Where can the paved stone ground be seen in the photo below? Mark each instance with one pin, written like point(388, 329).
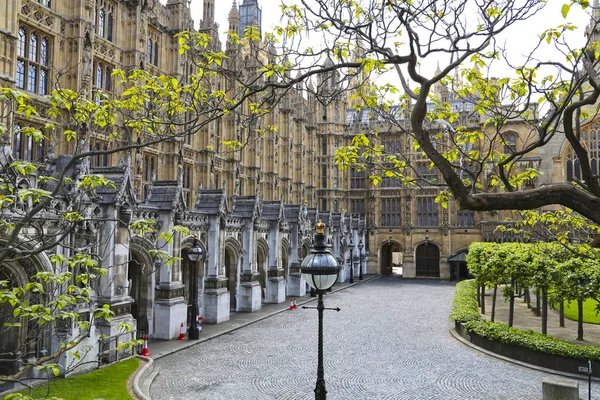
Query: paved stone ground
point(390, 341)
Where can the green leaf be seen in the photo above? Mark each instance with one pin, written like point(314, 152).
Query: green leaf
point(565, 10)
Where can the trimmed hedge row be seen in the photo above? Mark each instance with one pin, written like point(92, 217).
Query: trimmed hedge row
point(464, 307)
point(464, 310)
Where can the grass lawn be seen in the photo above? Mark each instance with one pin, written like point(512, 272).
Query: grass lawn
point(589, 311)
point(108, 383)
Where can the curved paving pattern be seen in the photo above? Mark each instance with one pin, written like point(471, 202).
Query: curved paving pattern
point(390, 341)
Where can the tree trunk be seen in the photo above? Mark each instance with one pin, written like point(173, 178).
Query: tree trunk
point(511, 304)
point(527, 298)
point(483, 299)
point(561, 314)
point(478, 295)
point(494, 303)
point(580, 319)
point(537, 302)
point(544, 311)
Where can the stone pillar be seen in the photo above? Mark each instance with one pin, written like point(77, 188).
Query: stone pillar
point(296, 284)
point(250, 297)
point(215, 307)
point(275, 292)
point(170, 308)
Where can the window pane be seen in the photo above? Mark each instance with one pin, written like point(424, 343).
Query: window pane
point(33, 47)
point(22, 43)
point(44, 53)
point(20, 78)
point(17, 142)
point(108, 85)
point(31, 76)
point(43, 86)
point(99, 79)
point(149, 51)
point(109, 34)
point(101, 20)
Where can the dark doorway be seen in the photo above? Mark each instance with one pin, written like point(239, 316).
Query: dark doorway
point(428, 261)
point(391, 256)
point(231, 274)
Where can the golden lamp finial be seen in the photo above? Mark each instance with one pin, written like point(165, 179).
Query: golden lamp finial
point(320, 227)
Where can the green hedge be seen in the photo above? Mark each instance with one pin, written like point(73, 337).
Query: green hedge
point(464, 309)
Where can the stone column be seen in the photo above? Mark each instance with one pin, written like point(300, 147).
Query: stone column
point(275, 292)
point(170, 307)
point(250, 293)
point(215, 307)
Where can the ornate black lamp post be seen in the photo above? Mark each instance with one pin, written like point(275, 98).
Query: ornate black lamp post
point(320, 270)
point(195, 254)
point(351, 247)
point(360, 259)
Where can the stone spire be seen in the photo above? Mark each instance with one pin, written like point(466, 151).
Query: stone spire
point(234, 18)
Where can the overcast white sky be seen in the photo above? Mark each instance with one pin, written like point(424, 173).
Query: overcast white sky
point(521, 38)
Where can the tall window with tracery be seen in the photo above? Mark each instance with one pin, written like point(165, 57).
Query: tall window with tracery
point(509, 140)
point(33, 61)
point(390, 212)
point(187, 185)
point(465, 218)
point(590, 140)
point(24, 146)
point(105, 12)
point(357, 179)
point(102, 81)
point(427, 212)
point(100, 160)
point(357, 206)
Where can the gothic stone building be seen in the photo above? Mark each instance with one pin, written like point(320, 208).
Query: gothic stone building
point(253, 211)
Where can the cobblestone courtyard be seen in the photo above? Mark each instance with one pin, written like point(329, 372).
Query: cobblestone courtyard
point(390, 341)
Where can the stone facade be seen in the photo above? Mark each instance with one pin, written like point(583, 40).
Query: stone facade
point(254, 211)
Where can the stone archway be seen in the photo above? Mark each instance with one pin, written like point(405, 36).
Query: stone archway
point(428, 261)
point(140, 273)
point(30, 339)
point(262, 258)
point(390, 258)
point(231, 271)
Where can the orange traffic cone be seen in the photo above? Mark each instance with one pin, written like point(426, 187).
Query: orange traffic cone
point(295, 304)
point(291, 305)
point(145, 352)
point(181, 333)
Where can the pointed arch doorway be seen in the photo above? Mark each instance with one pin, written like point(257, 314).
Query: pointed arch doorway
point(428, 261)
point(391, 258)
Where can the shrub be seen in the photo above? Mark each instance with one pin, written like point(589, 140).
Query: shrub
point(464, 307)
point(464, 310)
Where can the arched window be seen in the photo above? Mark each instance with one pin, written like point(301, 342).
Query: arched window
point(33, 47)
point(146, 171)
point(33, 61)
point(590, 140)
point(156, 53)
point(17, 141)
point(107, 84)
point(96, 159)
point(109, 33)
point(101, 22)
point(22, 43)
point(149, 51)
point(510, 142)
point(152, 173)
point(105, 157)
